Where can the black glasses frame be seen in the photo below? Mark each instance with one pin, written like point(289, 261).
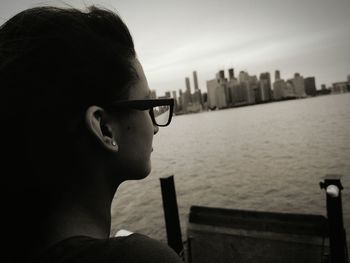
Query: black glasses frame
point(145, 104)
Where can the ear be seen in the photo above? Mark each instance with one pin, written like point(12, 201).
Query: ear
point(95, 118)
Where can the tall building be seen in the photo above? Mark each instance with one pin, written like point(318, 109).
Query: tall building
point(324, 90)
point(264, 93)
point(242, 93)
point(187, 95)
point(196, 105)
point(220, 75)
point(175, 101)
point(153, 94)
point(221, 96)
point(195, 80)
point(245, 91)
point(211, 91)
point(243, 76)
point(205, 97)
point(339, 87)
point(286, 89)
point(279, 89)
point(299, 86)
point(233, 87)
point(167, 94)
point(231, 73)
point(217, 91)
point(310, 86)
point(188, 85)
point(183, 102)
point(174, 95)
point(253, 86)
point(289, 91)
point(222, 93)
point(277, 75)
point(197, 97)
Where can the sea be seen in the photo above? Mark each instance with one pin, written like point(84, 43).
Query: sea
point(265, 157)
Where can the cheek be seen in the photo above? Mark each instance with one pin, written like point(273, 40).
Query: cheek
point(141, 130)
point(146, 121)
point(148, 127)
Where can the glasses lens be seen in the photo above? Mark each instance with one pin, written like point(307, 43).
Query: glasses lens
point(161, 114)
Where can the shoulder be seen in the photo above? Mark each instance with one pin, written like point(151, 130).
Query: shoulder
point(146, 249)
point(135, 248)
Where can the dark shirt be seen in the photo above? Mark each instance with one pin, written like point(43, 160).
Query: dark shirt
point(135, 248)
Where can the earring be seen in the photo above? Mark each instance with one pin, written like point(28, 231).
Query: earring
point(110, 142)
point(115, 145)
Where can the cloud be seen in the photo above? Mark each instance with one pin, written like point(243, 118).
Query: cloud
point(259, 52)
point(245, 50)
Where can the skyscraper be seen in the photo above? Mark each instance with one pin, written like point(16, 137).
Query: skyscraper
point(188, 92)
point(289, 91)
point(217, 91)
point(231, 73)
point(265, 87)
point(188, 85)
point(310, 86)
point(243, 76)
point(195, 80)
point(299, 86)
point(220, 75)
point(279, 89)
point(153, 94)
point(277, 75)
point(233, 88)
point(339, 87)
point(175, 101)
point(245, 92)
point(211, 87)
point(167, 94)
point(184, 100)
point(174, 95)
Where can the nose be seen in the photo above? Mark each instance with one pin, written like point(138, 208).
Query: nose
point(156, 129)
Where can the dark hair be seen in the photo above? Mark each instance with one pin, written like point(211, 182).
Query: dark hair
point(54, 63)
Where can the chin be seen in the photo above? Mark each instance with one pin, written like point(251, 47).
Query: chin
point(142, 173)
point(139, 176)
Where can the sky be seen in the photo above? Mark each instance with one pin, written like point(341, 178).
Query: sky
point(175, 37)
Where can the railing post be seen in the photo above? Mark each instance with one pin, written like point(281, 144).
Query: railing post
point(171, 215)
point(337, 235)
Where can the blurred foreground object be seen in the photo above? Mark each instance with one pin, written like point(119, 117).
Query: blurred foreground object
point(337, 234)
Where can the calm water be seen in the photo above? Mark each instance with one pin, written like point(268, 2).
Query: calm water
point(267, 157)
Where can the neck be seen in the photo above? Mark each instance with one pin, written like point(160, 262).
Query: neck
point(81, 209)
point(87, 215)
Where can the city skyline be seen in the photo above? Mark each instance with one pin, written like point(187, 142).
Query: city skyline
point(281, 76)
point(243, 89)
point(174, 37)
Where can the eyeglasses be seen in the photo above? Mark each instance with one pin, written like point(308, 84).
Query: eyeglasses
point(161, 110)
